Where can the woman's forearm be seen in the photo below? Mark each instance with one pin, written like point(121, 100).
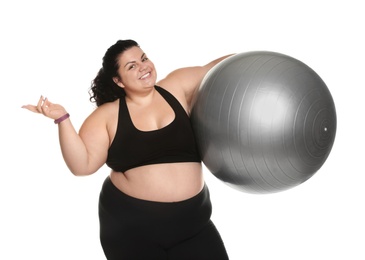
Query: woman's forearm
point(73, 149)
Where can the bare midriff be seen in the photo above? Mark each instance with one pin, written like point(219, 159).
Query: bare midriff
point(168, 182)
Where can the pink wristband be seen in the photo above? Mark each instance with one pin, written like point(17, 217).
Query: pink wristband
point(64, 117)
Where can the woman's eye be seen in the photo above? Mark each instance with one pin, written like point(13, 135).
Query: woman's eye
point(145, 59)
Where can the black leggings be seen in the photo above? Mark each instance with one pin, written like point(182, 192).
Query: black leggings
point(136, 229)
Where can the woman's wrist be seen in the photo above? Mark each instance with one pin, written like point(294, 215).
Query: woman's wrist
point(62, 118)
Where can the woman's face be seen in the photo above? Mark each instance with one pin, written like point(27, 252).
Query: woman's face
point(136, 71)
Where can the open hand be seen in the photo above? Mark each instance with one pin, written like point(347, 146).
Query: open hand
point(47, 108)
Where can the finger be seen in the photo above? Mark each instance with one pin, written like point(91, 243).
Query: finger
point(39, 104)
point(31, 108)
point(46, 102)
point(45, 106)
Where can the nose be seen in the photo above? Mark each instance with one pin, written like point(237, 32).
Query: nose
point(143, 67)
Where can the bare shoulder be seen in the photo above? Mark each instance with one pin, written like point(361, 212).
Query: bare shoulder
point(185, 78)
point(188, 79)
point(183, 82)
point(102, 116)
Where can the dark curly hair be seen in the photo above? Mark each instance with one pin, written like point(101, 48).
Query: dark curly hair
point(103, 89)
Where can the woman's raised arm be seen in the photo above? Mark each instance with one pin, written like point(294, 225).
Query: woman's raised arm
point(83, 153)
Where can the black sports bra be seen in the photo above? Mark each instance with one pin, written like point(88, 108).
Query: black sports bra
point(133, 148)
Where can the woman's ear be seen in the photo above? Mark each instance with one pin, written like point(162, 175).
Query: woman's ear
point(118, 82)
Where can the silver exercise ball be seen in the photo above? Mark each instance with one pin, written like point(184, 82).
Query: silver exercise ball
point(264, 122)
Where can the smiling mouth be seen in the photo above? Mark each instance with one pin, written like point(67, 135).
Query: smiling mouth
point(145, 75)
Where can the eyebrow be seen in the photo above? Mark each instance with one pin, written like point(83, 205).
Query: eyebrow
point(143, 55)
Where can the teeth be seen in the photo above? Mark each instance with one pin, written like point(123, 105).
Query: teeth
point(145, 76)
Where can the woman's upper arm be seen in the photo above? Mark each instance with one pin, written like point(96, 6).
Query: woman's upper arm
point(190, 77)
point(94, 134)
point(186, 81)
point(183, 83)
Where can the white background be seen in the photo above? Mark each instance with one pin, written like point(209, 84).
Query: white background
point(54, 48)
